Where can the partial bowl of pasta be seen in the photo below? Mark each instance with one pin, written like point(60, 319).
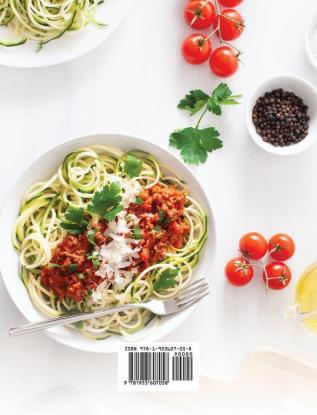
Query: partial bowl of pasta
point(101, 221)
point(49, 32)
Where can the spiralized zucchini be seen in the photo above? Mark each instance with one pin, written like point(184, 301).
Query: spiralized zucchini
point(45, 20)
point(37, 232)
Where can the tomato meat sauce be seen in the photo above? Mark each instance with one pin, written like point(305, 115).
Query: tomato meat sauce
point(161, 220)
point(70, 273)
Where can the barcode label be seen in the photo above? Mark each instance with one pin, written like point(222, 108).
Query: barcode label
point(149, 366)
point(182, 368)
point(158, 366)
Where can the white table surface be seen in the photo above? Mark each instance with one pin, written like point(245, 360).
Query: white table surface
point(131, 84)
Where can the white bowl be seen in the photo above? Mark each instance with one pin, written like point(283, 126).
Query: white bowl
point(301, 88)
point(43, 168)
point(71, 45)
point(311, 28)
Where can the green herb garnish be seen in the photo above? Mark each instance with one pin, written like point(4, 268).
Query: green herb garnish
point(166, 279)
point(157, 228)
point(163, 218)
point(195, 143)
point(132, 166)
point(107, 202)
point(138, 200)
point(95, 262)
point(80, 276)
point(53, 266)
point(74, 220)
point(79, 325)
point(72, 267)
point(137, 232)
point(91, 235)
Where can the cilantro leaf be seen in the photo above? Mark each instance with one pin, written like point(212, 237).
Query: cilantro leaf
point(137, 233)
point(51, 265)
point(138, 200)
point(112, 213)
point(195, 144)
point(162, 215)
point(72, 267)
point(166, 279)
point(79, 325)
point(94, 259)
point(194, 101)
point(95, 262)
point(221, 96)
point(91, 235)
point(107, 202)
point(74, 220)
point(74, 214)
point(132, 166)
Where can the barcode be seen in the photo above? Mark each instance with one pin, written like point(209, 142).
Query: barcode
point(158, 367)
point(149, 366)
point(182, 368)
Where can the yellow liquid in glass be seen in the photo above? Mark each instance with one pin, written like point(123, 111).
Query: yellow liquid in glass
point(306, 295)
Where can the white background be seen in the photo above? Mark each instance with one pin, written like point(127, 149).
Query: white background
point(131, 84)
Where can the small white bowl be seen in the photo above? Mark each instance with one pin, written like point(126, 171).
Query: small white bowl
point(302, 89)
point(311, 28)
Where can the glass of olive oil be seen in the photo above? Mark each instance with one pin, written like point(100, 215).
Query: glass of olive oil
point(306, 295)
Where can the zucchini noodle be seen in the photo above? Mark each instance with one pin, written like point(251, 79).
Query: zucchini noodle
point(45, 20)
point(37, 232)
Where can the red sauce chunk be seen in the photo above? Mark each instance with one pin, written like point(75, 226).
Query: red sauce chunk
point(70, 273)
point(161, 221)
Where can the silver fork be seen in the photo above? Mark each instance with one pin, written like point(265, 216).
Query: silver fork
point(185, 298)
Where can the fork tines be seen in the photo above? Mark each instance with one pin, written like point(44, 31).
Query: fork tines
point(192, 293)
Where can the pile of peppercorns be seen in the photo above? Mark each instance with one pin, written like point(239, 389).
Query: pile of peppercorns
point(281, 118)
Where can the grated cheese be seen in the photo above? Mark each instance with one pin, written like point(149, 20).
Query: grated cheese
point(118, 254)
point(130, 189)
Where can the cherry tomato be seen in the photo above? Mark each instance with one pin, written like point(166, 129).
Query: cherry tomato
point(281, 247)
point(200, 14)
point(231, 24)
point(230, 3)
point(253, 245)
point(239, 271)
point(196, 48)
point(224, 61)
point(277, 276)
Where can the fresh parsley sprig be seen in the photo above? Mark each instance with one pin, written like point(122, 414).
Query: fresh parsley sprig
point(195, 143)
point(91, 235)
point(166, 279)
point(133, 166)
point(74, 220)
point(107, 202)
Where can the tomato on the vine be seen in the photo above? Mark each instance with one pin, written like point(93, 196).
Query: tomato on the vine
point(231, 24)
point(277, 275)
point(239, 271)
point(253, 245)
point(230, 3)
point(200, 14)
point(196, 48)
point(224, 61)
point(281, 247)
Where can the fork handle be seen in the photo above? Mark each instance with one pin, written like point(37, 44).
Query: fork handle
point(60, 321)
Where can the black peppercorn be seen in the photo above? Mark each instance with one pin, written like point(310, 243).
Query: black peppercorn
point(281, 118)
